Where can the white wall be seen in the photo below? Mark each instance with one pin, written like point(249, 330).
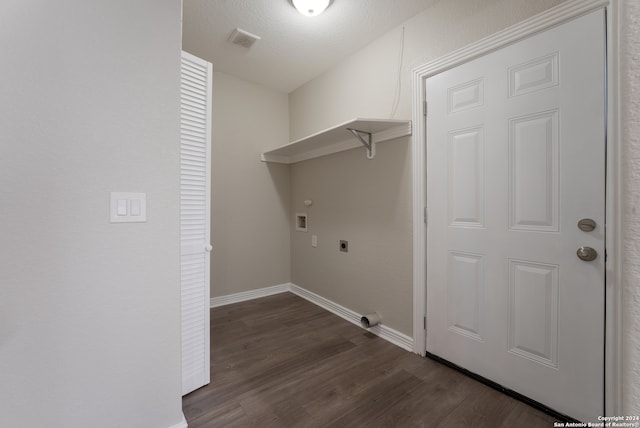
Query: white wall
point(250, 199)
point(89, 311)
point(369, 202)
point(630, 115)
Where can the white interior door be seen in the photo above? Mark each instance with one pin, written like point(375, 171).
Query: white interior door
point(515, 158)
point(195, 208)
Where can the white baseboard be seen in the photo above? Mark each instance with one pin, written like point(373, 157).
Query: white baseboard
point(249, 295)
point(181, 424)
point(384, 332)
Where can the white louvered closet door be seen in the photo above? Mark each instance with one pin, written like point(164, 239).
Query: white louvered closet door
point(195, 209)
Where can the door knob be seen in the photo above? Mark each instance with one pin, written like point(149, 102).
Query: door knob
point(587, 254)
point(208, 248)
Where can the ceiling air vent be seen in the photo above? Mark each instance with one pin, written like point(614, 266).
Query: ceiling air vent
point(243, 38)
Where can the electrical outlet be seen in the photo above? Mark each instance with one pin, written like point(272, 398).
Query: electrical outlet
point(344, 246)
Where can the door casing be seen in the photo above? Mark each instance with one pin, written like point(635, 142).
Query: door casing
point(545, 20)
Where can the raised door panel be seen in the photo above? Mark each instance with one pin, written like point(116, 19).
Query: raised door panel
point(533, 172)
point(465, 284)
point(466, 178)
point(533, 311)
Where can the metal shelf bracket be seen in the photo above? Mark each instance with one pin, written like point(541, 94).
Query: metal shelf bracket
point(368, 143)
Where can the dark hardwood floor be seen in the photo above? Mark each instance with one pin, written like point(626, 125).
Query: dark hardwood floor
point(281, 361)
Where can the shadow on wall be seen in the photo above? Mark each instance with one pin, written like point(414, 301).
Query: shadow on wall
point(281, 177)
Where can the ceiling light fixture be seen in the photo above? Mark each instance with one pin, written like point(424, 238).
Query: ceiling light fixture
point(311, 7)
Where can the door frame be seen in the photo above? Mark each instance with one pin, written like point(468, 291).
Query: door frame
point(552, 17)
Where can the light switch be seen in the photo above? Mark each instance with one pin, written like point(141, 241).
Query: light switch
point(135, 207)
point(128, 207)
point(314, 241)
point(122, 207)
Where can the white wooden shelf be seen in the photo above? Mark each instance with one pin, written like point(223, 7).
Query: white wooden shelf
point(339, 138)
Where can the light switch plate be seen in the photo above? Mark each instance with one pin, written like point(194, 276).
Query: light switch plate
point(128, 207)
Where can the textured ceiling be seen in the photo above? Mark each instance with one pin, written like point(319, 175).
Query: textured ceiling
point(294, 48)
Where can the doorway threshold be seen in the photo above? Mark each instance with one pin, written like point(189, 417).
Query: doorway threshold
point(560, 417)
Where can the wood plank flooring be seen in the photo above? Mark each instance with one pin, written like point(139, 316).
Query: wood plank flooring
point(281, 361)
